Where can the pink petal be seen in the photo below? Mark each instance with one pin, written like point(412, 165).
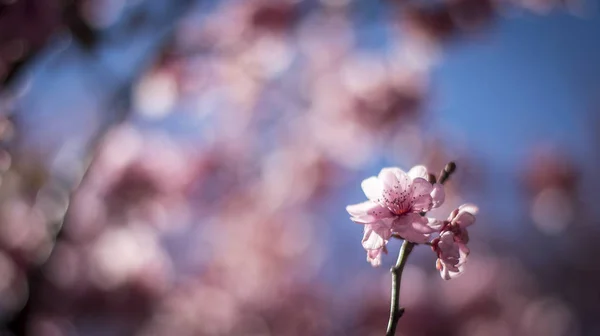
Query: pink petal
point(356, 210)
point(414, 236)
point(461, 236)
point(376, 235)
point(456, 274)
point(449, 272)
point(435, 224)
point(388, 176)
point(464, 250)
point(444, 272)
point(421, 187)
point(421, 224)
point(372, 241)
point(464, 219)
point(368, 212)
point(451, 256)
point(422, 204)
point(453, 214)
point(395, 179)
point(448, 250)
point(403, 221)
point(396, 190)
point(438, 195)
point(418, 171)
point(411, 228)
point(374, 256)
point(452, 264)
point(373, 188)
point(447, 237)
point(421, 199)
point(469, 207)
point(462, 261)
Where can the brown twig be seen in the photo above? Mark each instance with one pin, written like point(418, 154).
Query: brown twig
point(395, 310)
point(448, 170)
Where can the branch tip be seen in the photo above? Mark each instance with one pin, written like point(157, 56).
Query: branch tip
point(450, 167)
point(447, 171)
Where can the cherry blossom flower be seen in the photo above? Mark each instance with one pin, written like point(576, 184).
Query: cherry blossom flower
point(459, 220)
point(396, 201)
point(451, 255)
point(451, 246)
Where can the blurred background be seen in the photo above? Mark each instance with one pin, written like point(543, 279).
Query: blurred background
point(182, 167)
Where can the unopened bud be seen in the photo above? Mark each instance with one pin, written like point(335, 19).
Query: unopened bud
point(450, 167)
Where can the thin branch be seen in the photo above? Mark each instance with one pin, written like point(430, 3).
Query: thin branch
point(395, 310)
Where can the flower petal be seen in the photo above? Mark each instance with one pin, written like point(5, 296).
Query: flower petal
point(372, 241)
point(421, 187)
point(469, 207)
point(453, 215)
point(373, 188)
point(444, 271)
point(403, 221)
point(367, 212)
point(411, 228)
point(422, 204)
point(376, 235)
point(421, 199)
point(464, 250)
point(464, 219)
point(449, 272)
point(421, 224)
point(396, 190)
point(374, 256)
point(414, 236)
point(418, 171)
point(435, 224)
point(388, 176)
point(447, 248)
point(356, 210)
point(395, 179)
point(451, 256)
point(438, 195)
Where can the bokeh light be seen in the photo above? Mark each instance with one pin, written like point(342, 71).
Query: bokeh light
point(182, 167)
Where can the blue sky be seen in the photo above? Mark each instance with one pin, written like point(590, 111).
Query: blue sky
point(531, 79)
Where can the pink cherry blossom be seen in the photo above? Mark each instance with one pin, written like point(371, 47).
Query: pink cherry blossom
point(396, 200)
point(451, 255)
point(451, 246)
point(459, 220)
point(402, 192)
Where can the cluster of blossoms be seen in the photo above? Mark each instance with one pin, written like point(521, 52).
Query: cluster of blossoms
point(398, 202)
